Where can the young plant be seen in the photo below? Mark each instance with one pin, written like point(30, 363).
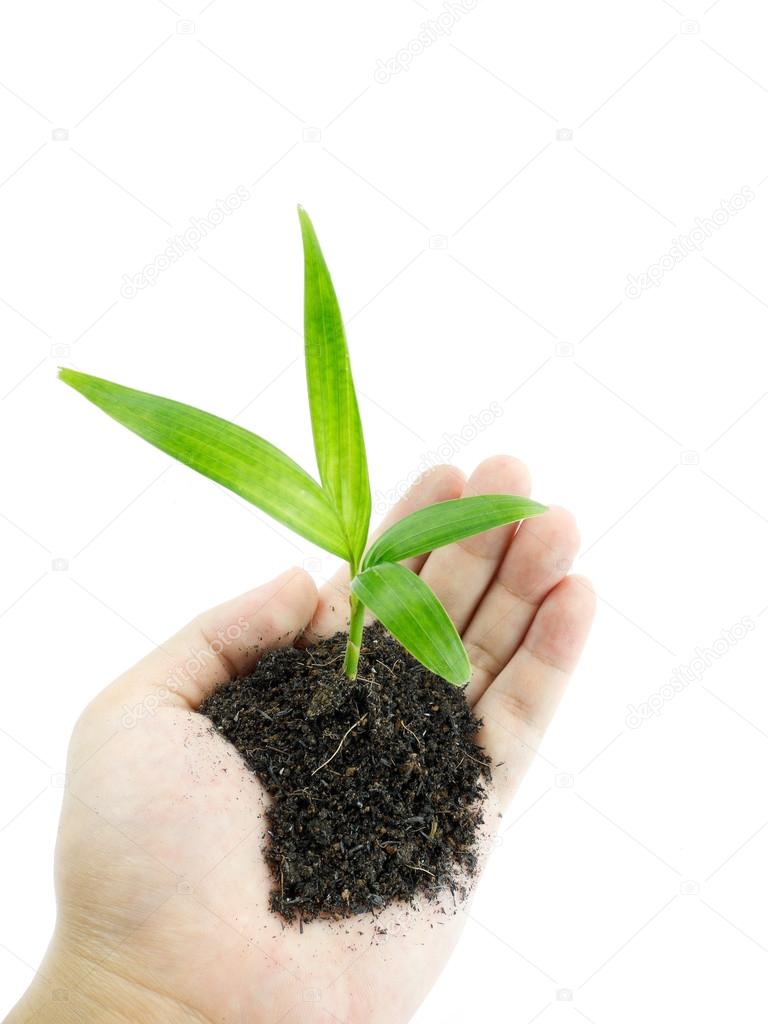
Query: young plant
point(334, 513)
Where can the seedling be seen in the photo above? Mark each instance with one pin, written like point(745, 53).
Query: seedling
point(334, 513)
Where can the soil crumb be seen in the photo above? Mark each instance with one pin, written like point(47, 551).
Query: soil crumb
point(376, 786)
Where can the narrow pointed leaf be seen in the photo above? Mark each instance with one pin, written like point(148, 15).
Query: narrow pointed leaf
point(228, 454)
point(336, 426)
point(407, 607)
point(447, 521)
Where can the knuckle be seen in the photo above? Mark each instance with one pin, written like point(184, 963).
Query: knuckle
point(481, 658)
point(513, 704)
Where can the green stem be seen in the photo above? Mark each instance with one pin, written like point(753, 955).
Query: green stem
point(356, 620)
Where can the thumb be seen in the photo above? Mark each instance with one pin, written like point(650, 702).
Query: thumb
point(218, 645)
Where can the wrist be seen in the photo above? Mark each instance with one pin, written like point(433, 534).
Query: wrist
point(73, 987)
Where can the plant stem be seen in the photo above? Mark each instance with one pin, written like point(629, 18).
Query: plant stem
point(356, 620)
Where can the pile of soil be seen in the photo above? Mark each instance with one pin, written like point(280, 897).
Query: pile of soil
point(375, 785)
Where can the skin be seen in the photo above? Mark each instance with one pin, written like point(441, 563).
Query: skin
point(162, 893)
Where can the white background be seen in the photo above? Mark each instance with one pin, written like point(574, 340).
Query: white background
point(481, 253)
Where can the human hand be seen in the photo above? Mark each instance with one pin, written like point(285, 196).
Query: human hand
point(162, 890)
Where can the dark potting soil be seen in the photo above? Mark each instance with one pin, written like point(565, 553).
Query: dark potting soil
point(375, 785)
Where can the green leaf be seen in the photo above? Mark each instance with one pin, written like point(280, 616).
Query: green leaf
point(336, 426)
point(228, 454)
point(404, 603)
point(448, 521)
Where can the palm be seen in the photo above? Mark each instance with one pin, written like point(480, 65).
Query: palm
point(160, 838)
